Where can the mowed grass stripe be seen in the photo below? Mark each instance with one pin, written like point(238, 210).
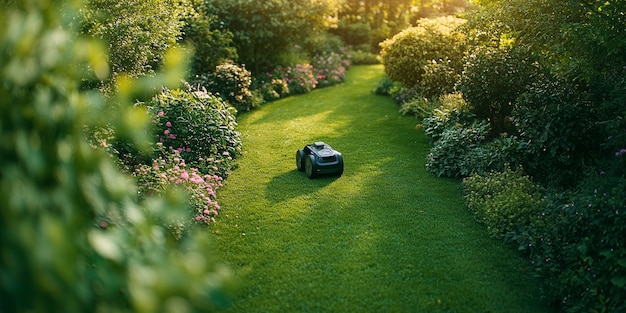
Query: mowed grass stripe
point(384, 237)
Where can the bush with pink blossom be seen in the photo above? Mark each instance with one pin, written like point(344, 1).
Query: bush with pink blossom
point(330, 68)
point(200, 126)
point(300, 78)
point(172, 171)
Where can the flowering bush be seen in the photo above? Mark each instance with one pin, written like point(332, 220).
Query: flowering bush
point(330, 68)
point(272, 85)
point(300, 78)
point(200, 126)
point(232, 83)
point(171, 170)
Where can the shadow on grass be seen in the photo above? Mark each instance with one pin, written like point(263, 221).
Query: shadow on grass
point(294, 184)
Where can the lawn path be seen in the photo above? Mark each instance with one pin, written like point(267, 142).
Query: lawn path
point(385, 237)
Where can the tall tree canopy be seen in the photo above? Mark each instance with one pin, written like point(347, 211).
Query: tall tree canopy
point(262, 30)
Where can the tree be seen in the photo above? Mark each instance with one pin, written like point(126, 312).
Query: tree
point(212, 47)
point(264, 31)
point(137, 32)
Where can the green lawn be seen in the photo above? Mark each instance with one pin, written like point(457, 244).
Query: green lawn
point(385, 237)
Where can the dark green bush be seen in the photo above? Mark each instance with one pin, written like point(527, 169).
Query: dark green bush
point(504, 201)
point(561, 126)
point(212, 47)
point(491, 82)
point(200, 126)
point(577, 244)
point(454, 154)
point(354, 33)
point(386, 86)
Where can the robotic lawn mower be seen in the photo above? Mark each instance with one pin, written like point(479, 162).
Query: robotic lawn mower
point(319, 158)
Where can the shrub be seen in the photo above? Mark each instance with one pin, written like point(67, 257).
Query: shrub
point(386, 86)
point(407, 54)
point(577, 244)
point(439, 79)
point(212, 47)
point(354, 33)
point(454, 154)
point(491, 82)
point(330, 68)
point(169, 171)
point(200, 126)
point(360, 57)
point(232, 83)
point(272, 86)
point(499, 152)
point(300, 78)
point(138, 33)
point(420, 107)
point(452, 111)
point(561, 126)
point(504, 201)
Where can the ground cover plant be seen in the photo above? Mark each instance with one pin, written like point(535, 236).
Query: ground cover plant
point(387, 236)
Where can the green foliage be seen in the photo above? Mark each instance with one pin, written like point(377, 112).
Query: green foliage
point(492, 80)
point(558, 121)
point(360, 57)
point(452, 111)
point(212, 47)
point(138, 33)
point(353, 33)
point(73, 237)
point(456, 151)
point(265, 30)
point(420, 107)
point(504, 201)
point(439, 79)
point(386, 86)
point(577, 245)
point(407, 55)
point(322, 42)
point(232, 83)
point(200, 126)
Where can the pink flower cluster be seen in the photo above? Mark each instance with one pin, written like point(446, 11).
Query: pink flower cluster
point(168, 135)
point(174, 170)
